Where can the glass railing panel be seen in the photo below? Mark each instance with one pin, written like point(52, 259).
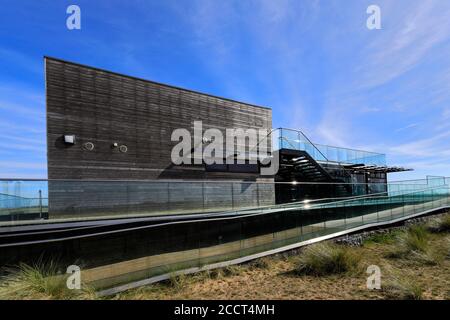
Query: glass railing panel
point(24, 188)
point(332, 153)
point(344, 154)
point(23, 199)
point(292, 139)
point(171, 247)
point(296, 140)
point(73, 199)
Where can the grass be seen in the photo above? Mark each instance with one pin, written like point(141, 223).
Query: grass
point(416, 239)
point(445, 223)
point(401, 287)
point(177, 284)
point(326, 258)
point(261, 263)
point(382, 238)
point(447, 249)
point(326, 271)
point(440, 225)
point(41, 281)
point(180, 281)
point(413, 245)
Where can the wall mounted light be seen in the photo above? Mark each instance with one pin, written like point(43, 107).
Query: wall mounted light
point(69, 139)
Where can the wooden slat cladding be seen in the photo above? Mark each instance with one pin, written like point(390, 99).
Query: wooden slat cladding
point(104, 107)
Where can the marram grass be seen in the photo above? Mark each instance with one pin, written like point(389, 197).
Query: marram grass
point(41, 281)
point(326, 258)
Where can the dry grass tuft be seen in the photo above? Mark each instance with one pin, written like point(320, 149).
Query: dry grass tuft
point(382, 238)
point(326, 258)
point(261, 263)
point(42, 281)
point(439, 225)
point(414, 246)
point(402, 287)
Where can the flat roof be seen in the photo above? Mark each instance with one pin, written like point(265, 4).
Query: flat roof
point(154, 82)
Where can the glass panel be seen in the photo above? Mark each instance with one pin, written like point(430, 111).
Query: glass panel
point(293, 139)
point(234, 219)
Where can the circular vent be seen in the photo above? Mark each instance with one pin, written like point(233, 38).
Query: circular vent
point(123, 148)
point(89, 146)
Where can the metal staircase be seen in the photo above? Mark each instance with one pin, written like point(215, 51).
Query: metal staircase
point(297, 165)
point(306, 168)
point(300, 164)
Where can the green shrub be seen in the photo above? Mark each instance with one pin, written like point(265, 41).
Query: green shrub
point(324, 258)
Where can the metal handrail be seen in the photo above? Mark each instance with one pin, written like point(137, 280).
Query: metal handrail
point(325, 145)
point(341, 167)
point(309, 141)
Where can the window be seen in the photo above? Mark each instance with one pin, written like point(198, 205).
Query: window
point(236, 168)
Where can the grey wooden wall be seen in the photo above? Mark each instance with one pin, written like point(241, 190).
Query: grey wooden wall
point(103, 107)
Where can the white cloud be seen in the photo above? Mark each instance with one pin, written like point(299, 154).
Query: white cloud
point(414, 30)
point(410, 126)
point(415, 36)
point(435, 146)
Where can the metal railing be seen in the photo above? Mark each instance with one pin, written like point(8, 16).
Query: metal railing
point(160, 249)
point(296, 139)
point(29, 200)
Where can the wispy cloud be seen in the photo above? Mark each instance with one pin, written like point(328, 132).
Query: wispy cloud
point(314, 62)
point(410, 126)
point(21, 110)
point(411, 34)
point(400, 77)
point(428, 147)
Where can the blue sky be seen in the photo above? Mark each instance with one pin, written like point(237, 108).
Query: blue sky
point(313, 62)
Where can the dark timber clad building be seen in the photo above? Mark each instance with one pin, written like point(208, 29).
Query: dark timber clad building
point(121, 128)
point(104, 108)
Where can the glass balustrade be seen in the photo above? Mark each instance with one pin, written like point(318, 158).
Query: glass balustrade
point(293, 139)
point(241, 221)
point(43, 200)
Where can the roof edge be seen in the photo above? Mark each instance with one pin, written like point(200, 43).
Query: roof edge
point(155, 82)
